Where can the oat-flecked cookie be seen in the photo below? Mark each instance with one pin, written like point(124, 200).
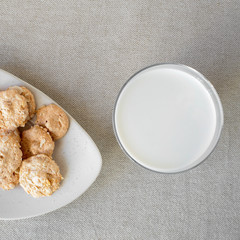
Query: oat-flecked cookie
point(36, 140)
point(10, 159)
point(14, 111)
point(29, 97)
point(54, 119)
point(40, 176)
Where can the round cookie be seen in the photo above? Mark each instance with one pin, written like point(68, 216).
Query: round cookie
point(13, 110)
point(36, 140)
point(29, 97)
point(10, 159)
point(40, 176)
point(54, 119)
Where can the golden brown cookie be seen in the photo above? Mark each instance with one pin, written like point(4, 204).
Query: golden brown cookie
point(36, 140)
point(29, 97)
point(10, 159)
point(40, 176)
point(54, 119)
point(13, 110)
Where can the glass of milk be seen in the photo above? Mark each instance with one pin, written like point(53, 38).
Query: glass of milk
point(168, 118)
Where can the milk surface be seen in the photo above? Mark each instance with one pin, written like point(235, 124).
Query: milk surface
point(165, 119)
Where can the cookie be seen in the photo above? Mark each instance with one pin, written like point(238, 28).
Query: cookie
point(10, 159)
point(29, 97)
point(36, 140)
point(40, 176)
point(54, 119)
point(14, 111)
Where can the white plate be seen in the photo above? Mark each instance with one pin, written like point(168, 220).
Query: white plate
point(76, 154)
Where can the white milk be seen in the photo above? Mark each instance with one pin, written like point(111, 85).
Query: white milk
point(165, 119)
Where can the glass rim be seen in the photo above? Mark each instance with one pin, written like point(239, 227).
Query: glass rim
point(218, 108)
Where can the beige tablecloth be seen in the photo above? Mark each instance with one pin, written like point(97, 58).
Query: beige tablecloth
point(80, 53)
